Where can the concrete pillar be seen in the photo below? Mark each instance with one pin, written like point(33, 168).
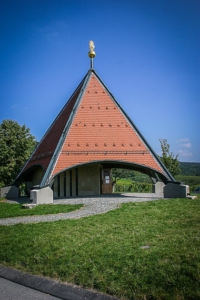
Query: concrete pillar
point(61, 185)
point(176, 190)
point(29, 185)
point(89, 180)
point(42, 195)
point(67, 183)
point(55, 186)
point(73, 182)
point(10, 192)
point(158, 187)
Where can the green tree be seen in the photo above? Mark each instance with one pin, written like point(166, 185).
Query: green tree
point(16, 145)
point(169, 159)
point(118, 173)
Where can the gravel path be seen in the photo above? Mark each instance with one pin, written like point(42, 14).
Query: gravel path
point(92, 206)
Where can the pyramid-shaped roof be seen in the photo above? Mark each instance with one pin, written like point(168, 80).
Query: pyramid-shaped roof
point(92, 127)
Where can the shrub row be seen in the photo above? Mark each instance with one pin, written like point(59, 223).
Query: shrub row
point(134, 187)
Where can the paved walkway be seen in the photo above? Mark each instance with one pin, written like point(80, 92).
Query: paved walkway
point(92, 206)
point(17, 285)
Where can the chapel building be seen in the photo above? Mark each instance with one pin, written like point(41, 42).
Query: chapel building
point(91, 135)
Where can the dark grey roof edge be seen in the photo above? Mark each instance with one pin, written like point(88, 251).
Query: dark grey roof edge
point(54, 158)
point(49, 128)
point(137, 130)
point(63, 108)
point(51, 287)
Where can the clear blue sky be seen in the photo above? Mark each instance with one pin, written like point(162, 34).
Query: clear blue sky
point(147, 53)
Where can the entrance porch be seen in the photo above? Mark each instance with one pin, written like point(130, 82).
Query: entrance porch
point(85, 180)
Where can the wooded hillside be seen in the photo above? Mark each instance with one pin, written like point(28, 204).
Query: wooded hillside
point(190, 168)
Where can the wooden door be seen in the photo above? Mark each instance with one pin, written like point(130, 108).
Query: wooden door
point(106, 181)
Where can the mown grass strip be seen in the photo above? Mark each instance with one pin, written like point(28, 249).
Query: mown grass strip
point(8, 210)
point(105, 252)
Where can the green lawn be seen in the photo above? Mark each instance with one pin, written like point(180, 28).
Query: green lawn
point(103, 252)
point(8, 210)
point(125, 180)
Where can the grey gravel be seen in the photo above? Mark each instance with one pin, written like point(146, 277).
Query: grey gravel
point(92, 206)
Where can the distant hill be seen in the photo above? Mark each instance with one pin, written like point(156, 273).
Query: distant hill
point(190, 168)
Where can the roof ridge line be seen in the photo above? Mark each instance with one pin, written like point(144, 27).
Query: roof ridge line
point(49, 128)
point(65, 130)
point(137, 130)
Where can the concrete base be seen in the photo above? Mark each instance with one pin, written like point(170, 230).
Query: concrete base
point(42, 195)
point(192, 197)
point(28, 205)
point(10, 192)
point(158, 187)
point(176, 190)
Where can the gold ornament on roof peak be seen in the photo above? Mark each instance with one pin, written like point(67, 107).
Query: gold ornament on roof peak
point(91, 53)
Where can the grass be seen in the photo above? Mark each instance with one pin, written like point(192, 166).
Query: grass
point(8, 210)
point(125, 180)
point(103, 252)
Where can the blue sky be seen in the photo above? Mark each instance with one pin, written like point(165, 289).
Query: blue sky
point(147, 53)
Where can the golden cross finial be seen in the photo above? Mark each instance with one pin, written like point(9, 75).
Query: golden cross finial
point(91, 53)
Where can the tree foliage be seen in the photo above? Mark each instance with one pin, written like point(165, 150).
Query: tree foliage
point(16, 144)
point(118, 173)
point(190, 168)
point(169, 159)
point(134, 176)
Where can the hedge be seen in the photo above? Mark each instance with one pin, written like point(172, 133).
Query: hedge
point(134, 187)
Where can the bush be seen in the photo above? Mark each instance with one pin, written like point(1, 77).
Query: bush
point(192, 181)
point(134, 187)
